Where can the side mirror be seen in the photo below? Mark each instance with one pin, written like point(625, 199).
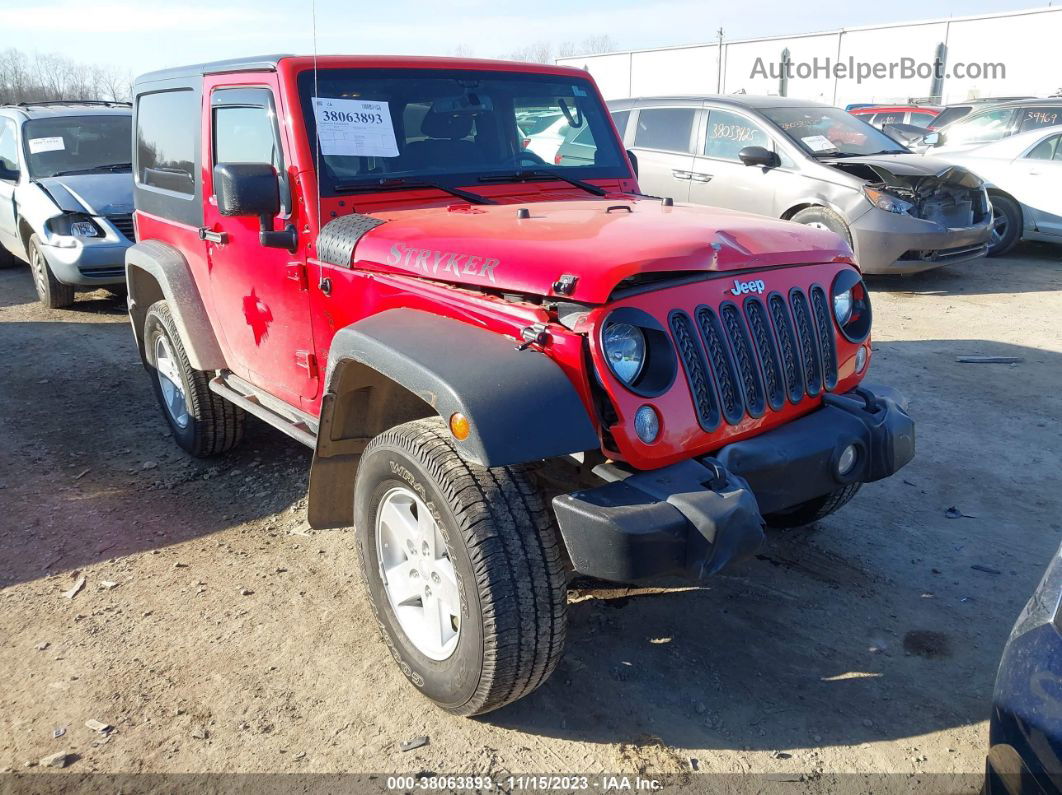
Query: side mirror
point(933, 139)
point(634, 161)
point(253, 189)
point(759, 156)
point(8, 174)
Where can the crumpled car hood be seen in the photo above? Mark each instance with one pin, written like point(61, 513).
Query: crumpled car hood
point(906, 171)
point(601, 242)
point(94, 194)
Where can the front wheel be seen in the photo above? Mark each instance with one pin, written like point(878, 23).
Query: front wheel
point(811, 511)
point(463, 569)
point(1006, 225)
point(824, 218)
point(51, 292)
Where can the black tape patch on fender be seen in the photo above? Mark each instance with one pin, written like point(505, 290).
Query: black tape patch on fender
point(336, 242)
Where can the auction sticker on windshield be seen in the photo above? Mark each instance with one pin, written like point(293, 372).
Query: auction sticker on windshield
point(53, 144)
point(818, 143)
point(354, 128)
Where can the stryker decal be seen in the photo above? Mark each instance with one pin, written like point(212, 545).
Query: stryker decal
point(436, 262)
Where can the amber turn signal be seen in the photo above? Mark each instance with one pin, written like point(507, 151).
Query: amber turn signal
point(459, 426)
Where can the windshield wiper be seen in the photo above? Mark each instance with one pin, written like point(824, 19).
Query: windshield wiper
point(402, 183)
point(91, 169)
point(535, 174)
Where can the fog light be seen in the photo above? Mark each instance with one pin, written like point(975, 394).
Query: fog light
point(846, 463)
point(861, 358)
point(647, 424)
point(459, 426)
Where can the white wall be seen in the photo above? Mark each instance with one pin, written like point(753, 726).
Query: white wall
point(1025, 42)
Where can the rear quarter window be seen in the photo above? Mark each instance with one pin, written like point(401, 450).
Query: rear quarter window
point(166, 131)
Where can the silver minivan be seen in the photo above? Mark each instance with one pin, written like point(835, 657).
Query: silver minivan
point(813, 164)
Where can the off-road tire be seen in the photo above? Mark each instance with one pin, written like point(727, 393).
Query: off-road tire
point(824, 216)
point(503, 543)
point(811, 511)
point(1011, 210)
point(50, 291)
point(216, 425)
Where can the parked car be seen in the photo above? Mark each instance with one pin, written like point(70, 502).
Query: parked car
point(993, 123)
point(545, 137)
point(880, 115)
point(1024, 176)
point(958, 110)
point(1025, 728)
point(508, 370)
point(66, 195)
point(813, 164)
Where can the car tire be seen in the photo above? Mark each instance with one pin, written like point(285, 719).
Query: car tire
point(50, 291)
point(494, 629)
point(811, 511)
point(824, 218)
point(203, 423)
point(1007, 223)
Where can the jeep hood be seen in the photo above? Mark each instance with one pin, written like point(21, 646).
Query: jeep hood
point(600, 242)
point(906, 171)
point(93, 194)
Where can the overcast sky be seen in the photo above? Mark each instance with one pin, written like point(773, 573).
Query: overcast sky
point(140, 35)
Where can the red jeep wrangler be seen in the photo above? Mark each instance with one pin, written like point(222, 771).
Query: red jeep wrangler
point(509, 369)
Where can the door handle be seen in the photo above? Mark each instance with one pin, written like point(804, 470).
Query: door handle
point(211, 236)
point(701, 177)
point(677, 174)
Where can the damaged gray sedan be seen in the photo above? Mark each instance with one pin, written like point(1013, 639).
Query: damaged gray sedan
point(66, 195)
point(813, 164)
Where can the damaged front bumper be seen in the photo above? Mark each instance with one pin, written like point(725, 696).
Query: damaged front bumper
point(693, 518)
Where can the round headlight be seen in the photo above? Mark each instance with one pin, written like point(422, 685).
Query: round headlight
point(624, 346)
point(647, 424)
point(842, 307)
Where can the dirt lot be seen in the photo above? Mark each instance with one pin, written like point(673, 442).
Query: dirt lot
point(216, 632)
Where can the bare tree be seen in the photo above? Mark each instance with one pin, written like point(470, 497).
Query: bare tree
point(543, 51)
point(539, 52)
point(42, 77)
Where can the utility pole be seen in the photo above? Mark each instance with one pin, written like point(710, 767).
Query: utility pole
point(719, 67)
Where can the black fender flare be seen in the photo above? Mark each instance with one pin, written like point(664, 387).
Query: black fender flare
point(155, 271)
point(520, 405)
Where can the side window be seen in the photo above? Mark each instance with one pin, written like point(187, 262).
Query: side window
point(881, 119)
point(1035, 118)
point(921, 119)
point(728, 133)
point(1048, 149)
point(991, 125)
point(619, 118)
point(8, 145)
point(166, 131)
point(665, 128)
point(246, 131)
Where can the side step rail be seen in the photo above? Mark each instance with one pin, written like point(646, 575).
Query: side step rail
point(299, 426)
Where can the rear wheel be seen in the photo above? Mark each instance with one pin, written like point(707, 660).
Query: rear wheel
point(811, 511)
point(51, 292)
point(1006, 225)
point(463, 569)
point(824, 218)
point(202, 422)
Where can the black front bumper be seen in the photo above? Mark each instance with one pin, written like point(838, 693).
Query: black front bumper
point(693, 518)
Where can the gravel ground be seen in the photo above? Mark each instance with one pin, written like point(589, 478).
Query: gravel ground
point(217, 633)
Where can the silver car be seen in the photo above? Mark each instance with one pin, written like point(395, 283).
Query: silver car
point(813, 164)
point(66, 194)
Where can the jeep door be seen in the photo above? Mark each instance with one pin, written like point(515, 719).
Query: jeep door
point(663, 143)
point(260, 293)
point(719, 177)
point(9, 161)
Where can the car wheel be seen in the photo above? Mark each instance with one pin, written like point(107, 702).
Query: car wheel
point(463, 569)
point(811, 511)
point(203, 423)
point(1006, 225)
point(824, 218)
point(51, 292)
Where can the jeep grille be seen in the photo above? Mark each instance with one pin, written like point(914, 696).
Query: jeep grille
point(745, 360)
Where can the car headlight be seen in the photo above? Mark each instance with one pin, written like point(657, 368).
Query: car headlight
point(851, 305)
point(888, 202)
point(74, 225)
point(624, 346)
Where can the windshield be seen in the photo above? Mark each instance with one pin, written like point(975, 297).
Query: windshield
point(454, 128)
point(78, 145)
point(831, 132)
